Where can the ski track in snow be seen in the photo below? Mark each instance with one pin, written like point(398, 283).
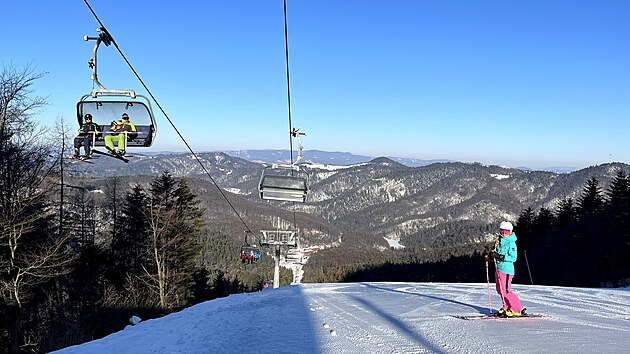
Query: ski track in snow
point(383, 318)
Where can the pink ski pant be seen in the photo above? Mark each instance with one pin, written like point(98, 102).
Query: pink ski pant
point(504, 288)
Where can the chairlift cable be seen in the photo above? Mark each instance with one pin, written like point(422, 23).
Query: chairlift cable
point(286, 57)
point(203, 167)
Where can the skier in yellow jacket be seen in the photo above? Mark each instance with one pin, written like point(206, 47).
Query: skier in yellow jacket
point(122, 130)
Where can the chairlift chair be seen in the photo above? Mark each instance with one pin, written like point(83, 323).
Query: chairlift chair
point(249, 248)
point(107, 106)
point(286, 183)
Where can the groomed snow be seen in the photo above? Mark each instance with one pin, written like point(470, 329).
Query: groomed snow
point(383, 318)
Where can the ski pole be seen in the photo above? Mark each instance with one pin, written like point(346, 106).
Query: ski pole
point(528, 270)
point(488, 280)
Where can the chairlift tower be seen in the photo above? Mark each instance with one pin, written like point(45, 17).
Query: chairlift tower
point(278, 238)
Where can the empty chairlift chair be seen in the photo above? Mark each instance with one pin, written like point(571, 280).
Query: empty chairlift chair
point(286, 183)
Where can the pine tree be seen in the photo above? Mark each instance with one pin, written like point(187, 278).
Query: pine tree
point(542, 252)
point(174, 220)
point(617, 224)
point(524, 228)
point(564, 233)
point(566, 213)
point(129, 244)
point(588, 245)
point(591, 200)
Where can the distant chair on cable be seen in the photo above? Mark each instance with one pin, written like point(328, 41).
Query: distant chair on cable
point(250, 253)
point(285, 182)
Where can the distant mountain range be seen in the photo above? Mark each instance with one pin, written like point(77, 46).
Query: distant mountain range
point(342, 158)
point(314, 156)
point(321, 157)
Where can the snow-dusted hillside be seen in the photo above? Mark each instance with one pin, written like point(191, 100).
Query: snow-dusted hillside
point(383, 318)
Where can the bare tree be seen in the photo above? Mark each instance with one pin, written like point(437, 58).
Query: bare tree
point(31, 252)
point(17, 103)
point(163, 281)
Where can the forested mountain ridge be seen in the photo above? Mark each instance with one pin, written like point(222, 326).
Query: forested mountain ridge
point(416, 205)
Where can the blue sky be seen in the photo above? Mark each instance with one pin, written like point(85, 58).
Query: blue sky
point(531, 83)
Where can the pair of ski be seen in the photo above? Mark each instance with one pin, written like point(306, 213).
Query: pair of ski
point(79, 159)
point(114, 155)
point(492, 317)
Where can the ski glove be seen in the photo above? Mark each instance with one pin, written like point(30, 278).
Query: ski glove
point(495, 255)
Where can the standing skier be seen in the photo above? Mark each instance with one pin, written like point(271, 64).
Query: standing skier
point(504, 254)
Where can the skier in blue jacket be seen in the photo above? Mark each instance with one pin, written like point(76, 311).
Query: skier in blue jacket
point(504, 253)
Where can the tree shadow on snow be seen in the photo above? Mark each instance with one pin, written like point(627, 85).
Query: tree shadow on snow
point(480, 309)
point(405, 329)
point(289, 329)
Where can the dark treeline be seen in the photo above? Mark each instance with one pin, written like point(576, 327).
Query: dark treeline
point(579, 243)
point(452, 263)
point(75, 264)
point(454, 269)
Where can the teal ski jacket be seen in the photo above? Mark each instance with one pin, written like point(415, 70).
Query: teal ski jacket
point(507, 247)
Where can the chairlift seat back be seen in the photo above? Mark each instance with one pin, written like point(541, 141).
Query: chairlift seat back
point(105, 111)
point(250, 248)
point(286, 188)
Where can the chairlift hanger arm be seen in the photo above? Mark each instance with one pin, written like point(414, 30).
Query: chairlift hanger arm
point(295, 133)
point(104, 37)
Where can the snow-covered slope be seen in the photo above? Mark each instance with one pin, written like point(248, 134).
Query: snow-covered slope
point(383, 318)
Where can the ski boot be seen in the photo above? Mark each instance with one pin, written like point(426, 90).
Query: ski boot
point(76, 153)
point(500, 313)
point(512, 313)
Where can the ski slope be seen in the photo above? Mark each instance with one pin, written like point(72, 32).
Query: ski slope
point(383, 318)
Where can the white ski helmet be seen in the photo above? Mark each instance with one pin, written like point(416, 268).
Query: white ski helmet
point(506, 225)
